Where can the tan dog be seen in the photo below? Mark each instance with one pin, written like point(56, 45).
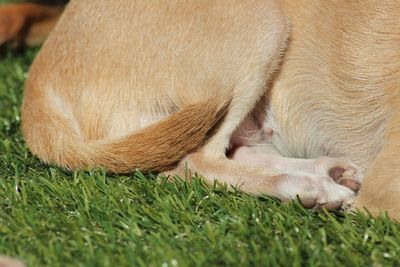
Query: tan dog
point(152, 84)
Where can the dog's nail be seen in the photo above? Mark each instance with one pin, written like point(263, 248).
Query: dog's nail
point(349, 172)
point(308, 203)
point(335, 205)
point(351, 184)
point(336, 173)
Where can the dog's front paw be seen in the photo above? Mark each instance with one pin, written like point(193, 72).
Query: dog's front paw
point(316, 191)
point(342, 171)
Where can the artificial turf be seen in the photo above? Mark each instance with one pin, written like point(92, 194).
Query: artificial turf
point(49, 217)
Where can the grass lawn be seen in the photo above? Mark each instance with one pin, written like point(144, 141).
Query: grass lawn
point(49, 217)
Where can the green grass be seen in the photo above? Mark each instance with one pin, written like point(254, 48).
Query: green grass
point(49, 217)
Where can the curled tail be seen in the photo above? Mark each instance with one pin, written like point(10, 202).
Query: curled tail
point(156, 148)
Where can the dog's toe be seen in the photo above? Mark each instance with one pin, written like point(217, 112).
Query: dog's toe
point(350, 183)
point(336, 173)
point(316, 191)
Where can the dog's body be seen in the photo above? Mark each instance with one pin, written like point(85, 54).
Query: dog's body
point(334, 95)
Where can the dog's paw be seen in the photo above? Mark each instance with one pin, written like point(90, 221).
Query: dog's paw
point(316, 191)
point(342, 171)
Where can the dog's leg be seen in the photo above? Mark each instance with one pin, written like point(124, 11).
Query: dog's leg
point(250, 146)
point(340, 170)
point(250, 139)
point(27, 24)
point(380, 191)
point(325, 176)
point(312, 189)
point(313, 181)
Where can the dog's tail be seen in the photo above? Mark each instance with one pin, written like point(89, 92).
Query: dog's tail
point(156, 148)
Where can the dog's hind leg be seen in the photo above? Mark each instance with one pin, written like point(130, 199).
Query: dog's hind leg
point(212, 163)
point(247, 103)
point(326, 182)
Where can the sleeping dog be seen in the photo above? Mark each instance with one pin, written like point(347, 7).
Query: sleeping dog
point(163, 86)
